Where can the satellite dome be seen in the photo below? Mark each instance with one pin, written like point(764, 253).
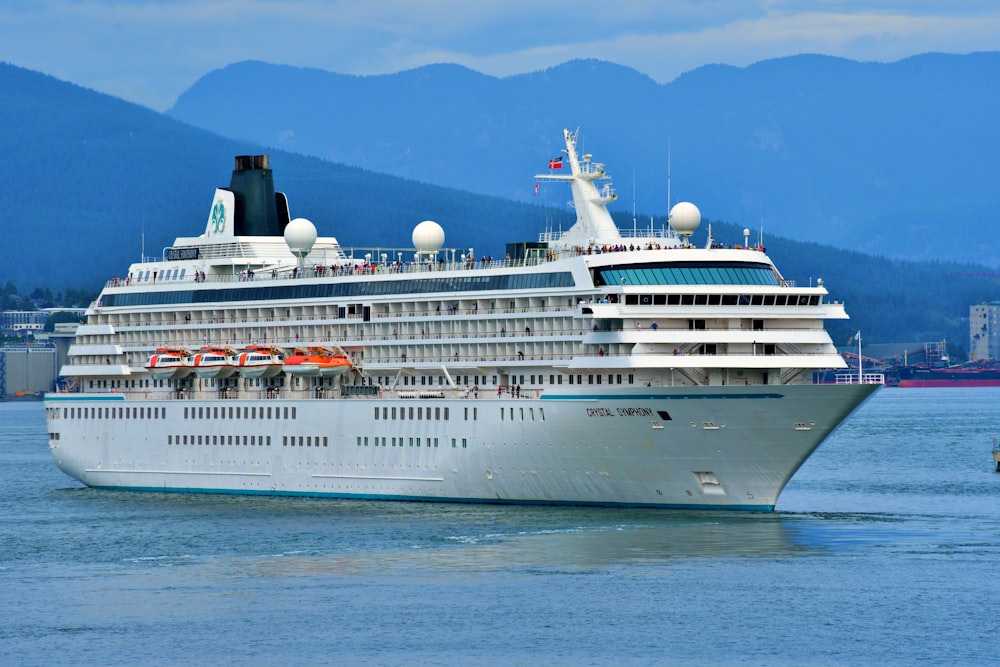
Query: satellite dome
point(428, 237)
point(300, 235)
point(684, 218)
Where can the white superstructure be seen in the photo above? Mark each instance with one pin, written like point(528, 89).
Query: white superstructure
point(586, 367)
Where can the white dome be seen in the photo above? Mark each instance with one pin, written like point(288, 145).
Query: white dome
point(685, 218)
point(428, 237)
point(300, 235)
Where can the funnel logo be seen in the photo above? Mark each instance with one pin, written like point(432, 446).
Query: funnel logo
point(218, 220)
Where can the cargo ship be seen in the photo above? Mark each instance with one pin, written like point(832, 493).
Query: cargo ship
point(978, 374)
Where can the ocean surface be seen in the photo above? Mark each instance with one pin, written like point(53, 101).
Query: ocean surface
point(884, 550)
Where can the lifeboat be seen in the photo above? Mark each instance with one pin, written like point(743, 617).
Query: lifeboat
point(214, 362)
point(169, 363)
point(259, 362)
point(316, 362)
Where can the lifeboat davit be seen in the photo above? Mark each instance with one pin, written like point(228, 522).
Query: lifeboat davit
point(316, 362)
point(214, 362)
point(259, 362)
point(169, 363)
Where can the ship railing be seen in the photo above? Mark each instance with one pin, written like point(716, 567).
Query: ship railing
point(376, 261)
point(352, 267)
point(865, 378)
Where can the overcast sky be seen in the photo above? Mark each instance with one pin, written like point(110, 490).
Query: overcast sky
point(150, 51)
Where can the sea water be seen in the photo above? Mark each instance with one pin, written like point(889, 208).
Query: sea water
point(884, 549)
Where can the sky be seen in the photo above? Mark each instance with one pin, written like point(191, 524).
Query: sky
point(150, 51)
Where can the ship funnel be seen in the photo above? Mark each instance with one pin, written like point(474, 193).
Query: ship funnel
point(260, 211)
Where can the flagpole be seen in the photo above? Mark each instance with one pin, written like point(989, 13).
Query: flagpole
point(859, 356)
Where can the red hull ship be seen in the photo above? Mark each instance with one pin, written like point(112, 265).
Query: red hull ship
point(955, 376)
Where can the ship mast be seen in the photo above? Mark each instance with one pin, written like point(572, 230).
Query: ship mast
point(594, 225)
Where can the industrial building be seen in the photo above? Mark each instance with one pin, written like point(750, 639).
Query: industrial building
point(26, 370)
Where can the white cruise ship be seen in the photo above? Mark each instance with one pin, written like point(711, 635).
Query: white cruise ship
point(590, 367)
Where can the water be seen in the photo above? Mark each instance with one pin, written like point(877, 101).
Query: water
point(885, 549)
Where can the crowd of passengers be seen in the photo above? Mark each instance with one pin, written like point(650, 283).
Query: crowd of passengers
point(399, 266)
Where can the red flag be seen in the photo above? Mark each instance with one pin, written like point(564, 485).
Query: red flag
point(536, 189)
point(555, 163)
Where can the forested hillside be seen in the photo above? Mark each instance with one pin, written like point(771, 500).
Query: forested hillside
point(84, 178)
point(896, 159)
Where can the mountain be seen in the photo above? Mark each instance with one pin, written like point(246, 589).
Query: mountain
point(894, 159)
point(87, 181)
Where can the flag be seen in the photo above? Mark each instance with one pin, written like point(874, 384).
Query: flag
point(555, 163)
point(536, 189)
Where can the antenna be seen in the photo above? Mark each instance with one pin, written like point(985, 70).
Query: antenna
point(634, 230)
point(668, 173)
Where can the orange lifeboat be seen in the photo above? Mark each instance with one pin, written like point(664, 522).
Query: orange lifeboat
point(316, 362)
point(259, 362)
point(169, 363)
point(214, 362)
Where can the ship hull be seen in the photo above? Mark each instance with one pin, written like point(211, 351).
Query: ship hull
point(946, 382)
point(708, 447)
point(910, 376)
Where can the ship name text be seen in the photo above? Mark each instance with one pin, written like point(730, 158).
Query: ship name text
point(619, 412)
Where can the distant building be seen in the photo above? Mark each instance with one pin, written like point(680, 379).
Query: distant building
point(15, 322)
point(984, 332)
point(61, 339)
point(26, 370)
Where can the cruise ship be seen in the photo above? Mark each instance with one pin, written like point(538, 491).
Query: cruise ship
point(594, 366)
